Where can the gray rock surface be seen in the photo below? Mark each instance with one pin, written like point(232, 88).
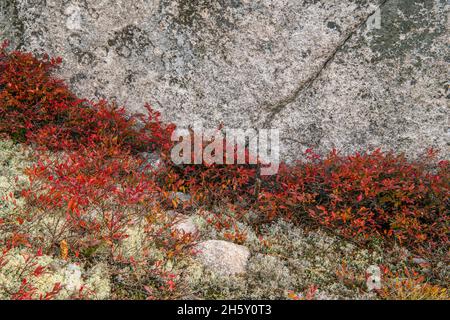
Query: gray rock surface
point(419, 261)
point(223, 257)
point(185, 224)
point(180, 196)
point(152, 161)
point(313, 68)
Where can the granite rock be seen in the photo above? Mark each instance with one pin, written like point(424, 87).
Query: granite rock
point(223, 257)
point(327, 73)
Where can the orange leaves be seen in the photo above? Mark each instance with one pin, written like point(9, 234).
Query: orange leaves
point(293, 296)
point(64, 249)
point(236, 235)
point(346, 215)
point(72, 205)
point(175, 203)
point(19, 239)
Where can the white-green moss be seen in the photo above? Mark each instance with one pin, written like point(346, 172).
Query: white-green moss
point(71, 277)
point(98, 280)
point(14, 158)
point(294, 260)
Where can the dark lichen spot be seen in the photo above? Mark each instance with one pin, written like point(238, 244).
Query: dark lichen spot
point(86, 58)
point(408, 26)
point(334, 26)
point(11, 25)
point(74, 40)
point(93, 13)
point(130, 78)
point(306, 53)
point(77, 78)
point(190, 12)
point(128, 40)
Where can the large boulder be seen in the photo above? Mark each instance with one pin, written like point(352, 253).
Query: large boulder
point(223, 257)
point(328, 73)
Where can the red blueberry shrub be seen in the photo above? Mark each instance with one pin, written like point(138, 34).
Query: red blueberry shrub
point(367, 195)
point(87, 177)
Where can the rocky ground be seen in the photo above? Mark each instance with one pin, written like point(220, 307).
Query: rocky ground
point(274, 261)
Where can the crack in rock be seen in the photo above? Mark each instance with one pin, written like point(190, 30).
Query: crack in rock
point(277, 107)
